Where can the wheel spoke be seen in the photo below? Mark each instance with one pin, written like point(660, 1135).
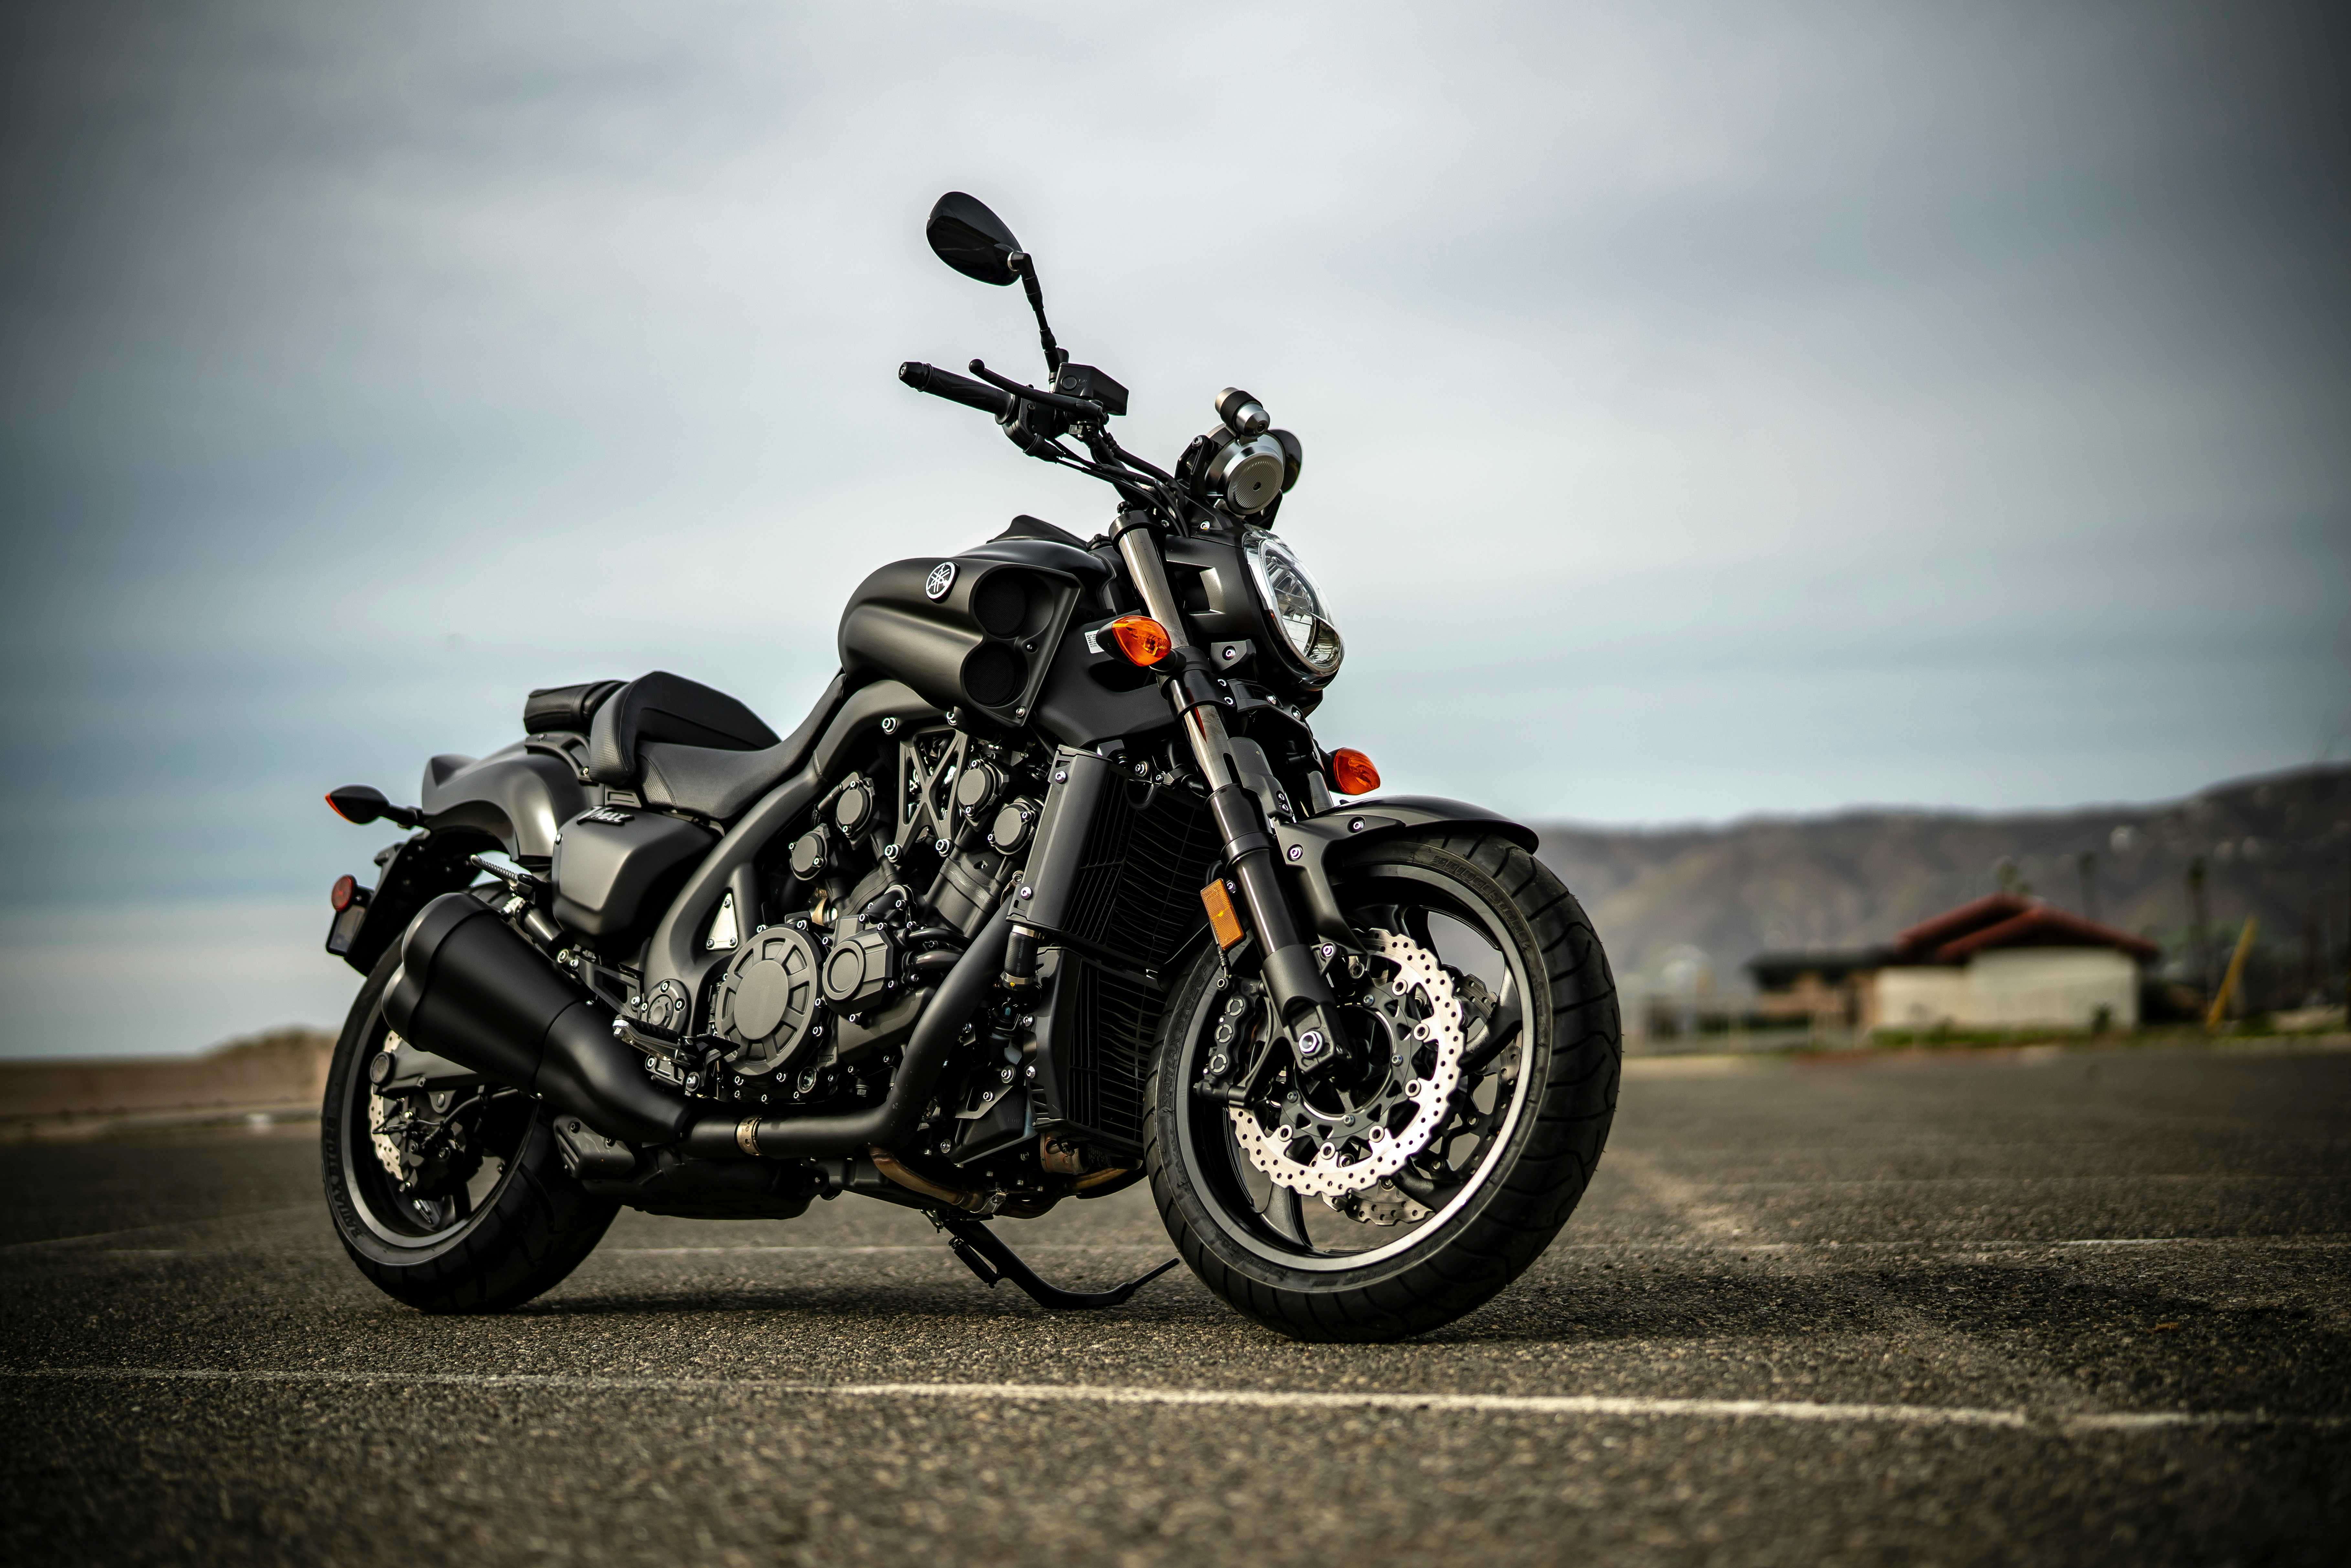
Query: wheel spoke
point(1286, 1214)
point(1498, 1027)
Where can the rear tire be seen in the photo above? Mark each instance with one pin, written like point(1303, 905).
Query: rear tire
point(1315, 1272)
point(487, 1244)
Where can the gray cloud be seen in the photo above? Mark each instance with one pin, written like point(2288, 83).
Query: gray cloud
point(1707, 409)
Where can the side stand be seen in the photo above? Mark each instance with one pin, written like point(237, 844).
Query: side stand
point(985, 1255)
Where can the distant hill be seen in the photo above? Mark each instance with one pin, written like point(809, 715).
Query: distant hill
point(2278, 846)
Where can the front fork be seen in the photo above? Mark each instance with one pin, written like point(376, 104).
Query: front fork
point(1291, 966)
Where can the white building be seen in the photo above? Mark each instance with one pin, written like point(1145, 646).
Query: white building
point(2006, 962)
point(2002, 962)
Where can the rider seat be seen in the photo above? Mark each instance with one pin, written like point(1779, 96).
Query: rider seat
point(686, 747)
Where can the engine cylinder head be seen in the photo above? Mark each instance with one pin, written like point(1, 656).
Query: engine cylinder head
point(980, 784)
point(812, 854)
point(1010, 832)
point(852, 810)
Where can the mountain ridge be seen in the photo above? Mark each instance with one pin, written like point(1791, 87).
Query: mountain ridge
point(1709, 898)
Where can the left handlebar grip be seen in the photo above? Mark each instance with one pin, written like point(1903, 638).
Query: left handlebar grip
point(955, 388)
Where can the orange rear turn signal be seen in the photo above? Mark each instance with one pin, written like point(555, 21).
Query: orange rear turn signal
point(1144, 641)
point(1352, 773)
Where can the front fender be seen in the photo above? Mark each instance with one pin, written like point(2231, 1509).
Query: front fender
point(1305, 846)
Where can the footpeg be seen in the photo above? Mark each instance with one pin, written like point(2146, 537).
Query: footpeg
point(985, 1254)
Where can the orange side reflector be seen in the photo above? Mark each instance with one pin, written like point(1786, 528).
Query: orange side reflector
point(1223, 918)
point(1144, 641)
point(1352, 773)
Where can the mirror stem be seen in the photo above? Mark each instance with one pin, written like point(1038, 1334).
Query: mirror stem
point(1056, 356)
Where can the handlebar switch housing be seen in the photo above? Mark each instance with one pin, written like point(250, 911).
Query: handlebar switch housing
point(1089, 382)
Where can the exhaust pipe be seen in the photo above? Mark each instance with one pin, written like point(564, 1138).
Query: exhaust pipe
point(470, 989)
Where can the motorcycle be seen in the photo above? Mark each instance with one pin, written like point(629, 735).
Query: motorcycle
point(1053, 891)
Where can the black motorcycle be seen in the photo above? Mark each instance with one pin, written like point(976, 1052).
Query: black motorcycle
point(1049, 894)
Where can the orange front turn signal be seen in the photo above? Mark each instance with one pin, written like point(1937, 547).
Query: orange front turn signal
point(1352, 773)
point(1144, 641)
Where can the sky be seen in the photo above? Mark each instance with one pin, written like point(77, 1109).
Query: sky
point(1709, 409)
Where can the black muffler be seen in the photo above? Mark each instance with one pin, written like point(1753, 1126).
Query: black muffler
point(470, 989)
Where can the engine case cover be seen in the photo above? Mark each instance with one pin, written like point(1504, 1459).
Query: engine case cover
point(860, 966)
point(767, 1002)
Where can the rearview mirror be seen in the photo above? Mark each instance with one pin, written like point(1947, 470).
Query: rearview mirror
point(971, 239)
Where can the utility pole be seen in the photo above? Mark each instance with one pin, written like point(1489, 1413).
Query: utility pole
point(2198, 935)
point(2088, 866)
point(2236, 972)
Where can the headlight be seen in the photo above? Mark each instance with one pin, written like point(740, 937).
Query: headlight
point(1296, 605)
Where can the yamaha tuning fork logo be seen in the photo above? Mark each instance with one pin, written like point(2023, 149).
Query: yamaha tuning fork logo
point(942, 578)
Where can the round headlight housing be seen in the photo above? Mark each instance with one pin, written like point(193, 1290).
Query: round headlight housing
point(1294, 604)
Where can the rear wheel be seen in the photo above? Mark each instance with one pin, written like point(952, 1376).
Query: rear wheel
point(1394, 1190)
point(453, 1200)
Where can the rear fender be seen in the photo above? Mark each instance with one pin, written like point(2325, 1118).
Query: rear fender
point(1305, 846)
point(520, 795)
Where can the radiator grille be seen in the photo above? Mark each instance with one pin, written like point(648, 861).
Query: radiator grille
point(1139, 880)
point(1103, 1055)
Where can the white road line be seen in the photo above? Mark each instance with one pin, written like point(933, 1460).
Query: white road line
point(2322, 1241)
point(935, 1247)
point(50, 1241)
point(1227, 1398)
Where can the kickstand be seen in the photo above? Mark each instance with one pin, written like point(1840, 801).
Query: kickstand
point(985, 1255)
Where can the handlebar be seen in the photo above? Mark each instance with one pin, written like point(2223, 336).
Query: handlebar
point(955, 388)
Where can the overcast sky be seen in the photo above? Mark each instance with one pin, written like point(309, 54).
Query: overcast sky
point(1709, 409)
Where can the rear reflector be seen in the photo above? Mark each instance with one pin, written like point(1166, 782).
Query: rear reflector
point(347, 888)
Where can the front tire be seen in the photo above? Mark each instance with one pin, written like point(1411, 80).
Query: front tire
point(1531, 1098)
point(496, 1222)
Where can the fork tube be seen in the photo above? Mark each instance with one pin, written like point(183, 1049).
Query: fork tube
point(1291, 970)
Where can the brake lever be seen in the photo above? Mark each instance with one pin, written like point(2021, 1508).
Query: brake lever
point(1085, 408)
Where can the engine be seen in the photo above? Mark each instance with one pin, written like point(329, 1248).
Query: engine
point(899, 866)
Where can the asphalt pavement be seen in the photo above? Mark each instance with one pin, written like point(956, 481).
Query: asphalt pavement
point(2039, 1307)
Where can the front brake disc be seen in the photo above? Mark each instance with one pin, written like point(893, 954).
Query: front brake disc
point(1347, 1149)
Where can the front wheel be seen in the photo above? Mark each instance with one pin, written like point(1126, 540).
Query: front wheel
point(1399, 1187)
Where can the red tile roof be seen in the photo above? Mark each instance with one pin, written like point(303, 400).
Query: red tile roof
point(2007, 920)
point(1920, 943)
point(2042, 926)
